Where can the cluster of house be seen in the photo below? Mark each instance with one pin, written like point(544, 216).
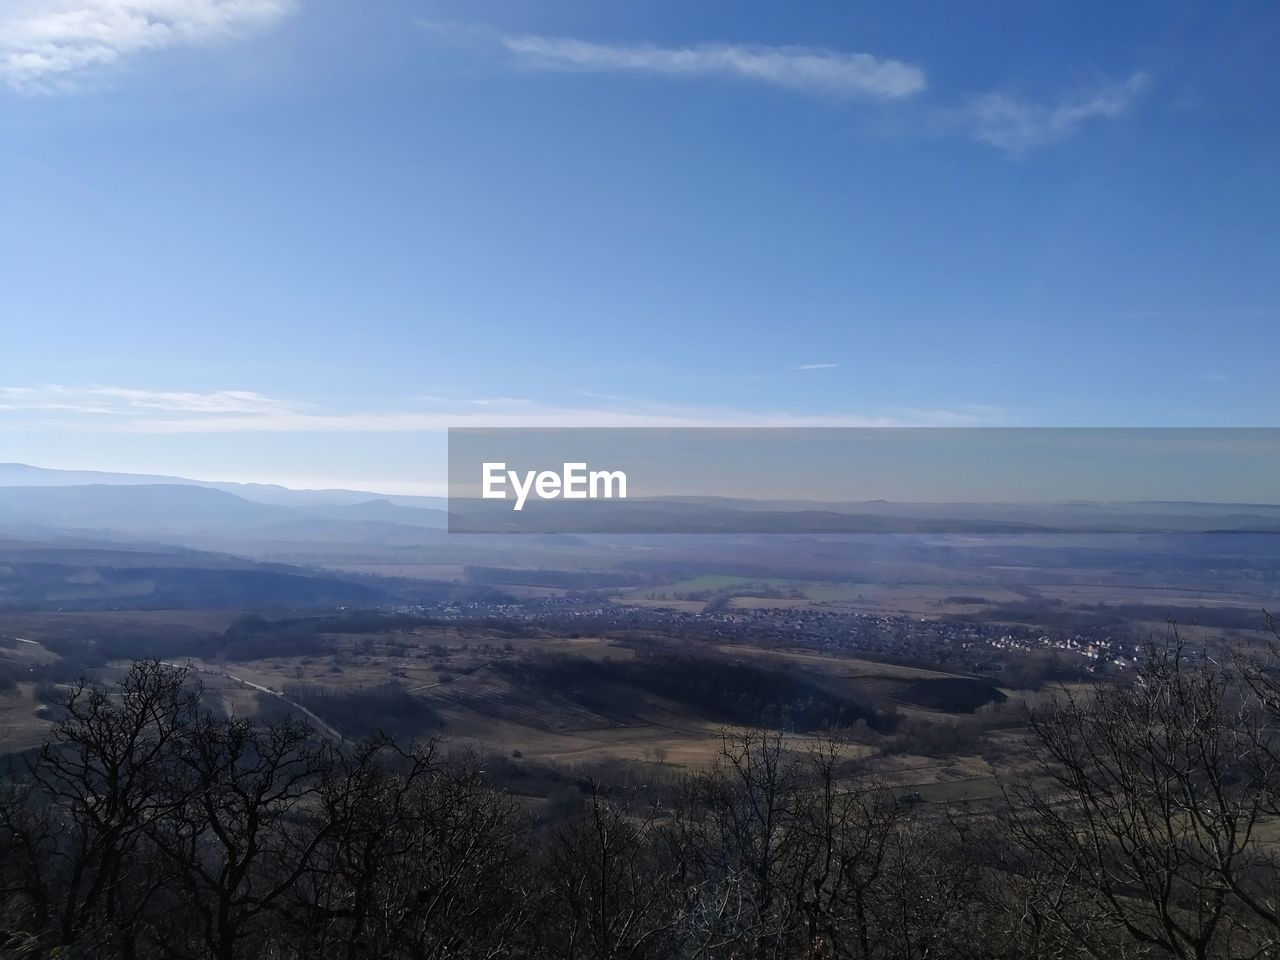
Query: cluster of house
point(968, 644)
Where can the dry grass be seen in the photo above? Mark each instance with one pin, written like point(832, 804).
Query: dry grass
point(24, 721)
point(453, 670)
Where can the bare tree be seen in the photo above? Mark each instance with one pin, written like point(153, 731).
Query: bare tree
point(421, 859)
point(243, 830)
point(1148, 811)
point(612, 893)
point(736, 831)
point(845, 834)
point(102, 774)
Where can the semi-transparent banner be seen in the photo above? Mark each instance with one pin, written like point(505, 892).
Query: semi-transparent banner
point(864, 480)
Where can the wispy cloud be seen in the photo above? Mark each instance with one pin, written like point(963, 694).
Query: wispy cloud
point(120, 401)
point(1017, 126)
point(129, 410)
point(55, 45)
point(536, 415)
point(998, 118)
point(806, 69)
point(816, 366)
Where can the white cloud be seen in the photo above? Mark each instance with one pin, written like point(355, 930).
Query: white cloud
point(53, 45)
point(138, 411)
point(537, 415)
point(816, 366)
point(807, 69)
point(1017, 126)
point(1000, 119)
point(549, 416)
point(121, 401)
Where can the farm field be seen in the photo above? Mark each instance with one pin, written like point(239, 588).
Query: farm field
point(24, 719)
point(516, 695)
point(1054, 592)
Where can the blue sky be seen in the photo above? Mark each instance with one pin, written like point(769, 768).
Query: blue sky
point(293, 240)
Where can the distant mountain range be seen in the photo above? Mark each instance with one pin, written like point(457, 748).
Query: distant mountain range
point(37, 502)
point(74, 539)
point(268, 520)
point(24, 475)
point(81, 539)
point(70, 575)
